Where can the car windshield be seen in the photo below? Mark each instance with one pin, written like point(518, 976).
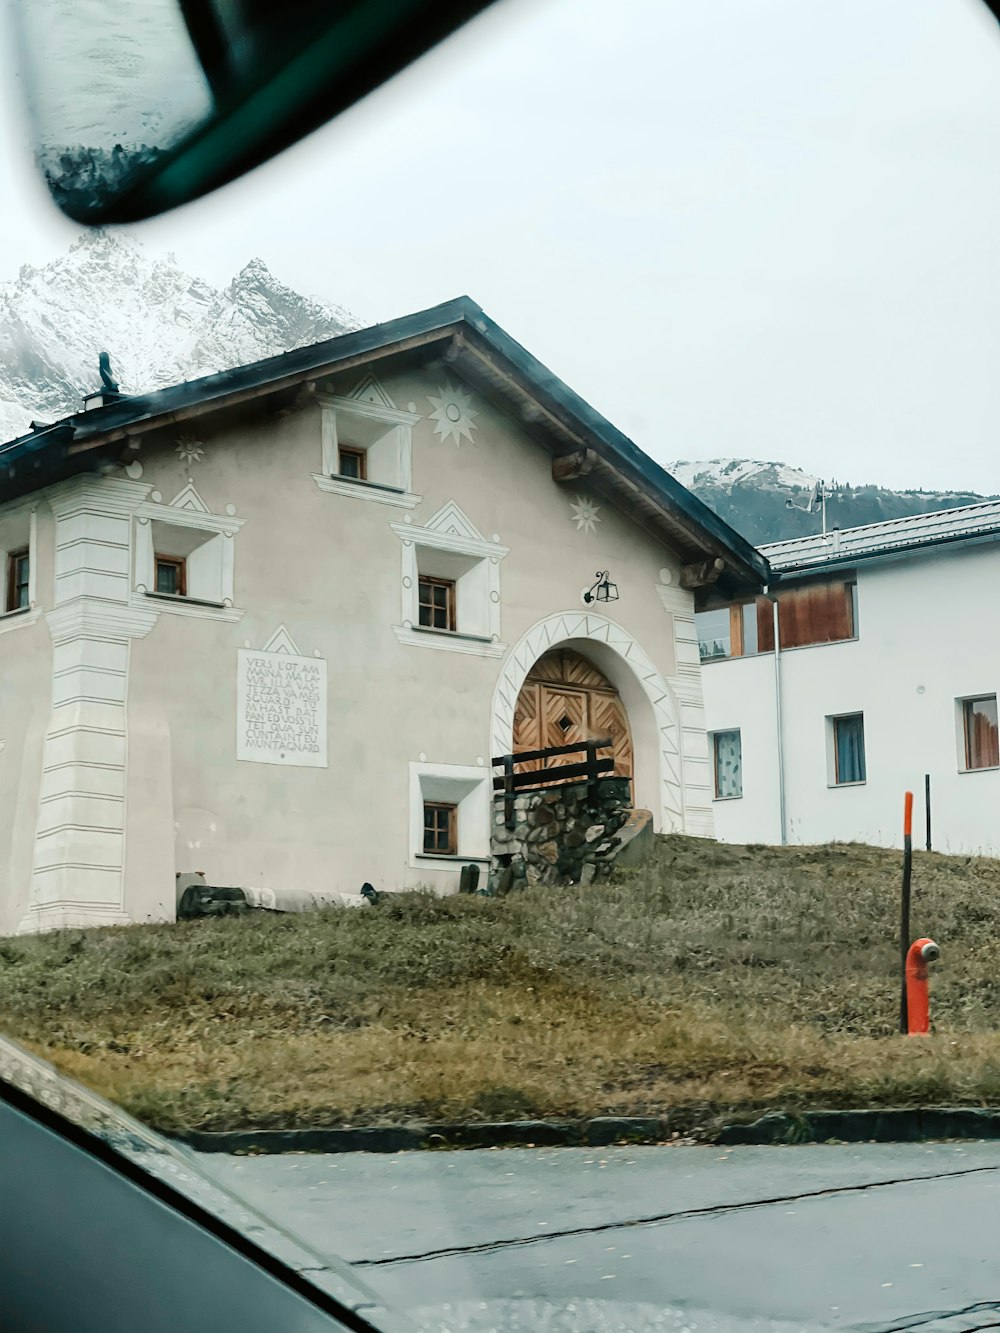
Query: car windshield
point(480, 816)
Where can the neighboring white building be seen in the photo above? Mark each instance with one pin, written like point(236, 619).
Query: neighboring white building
point(275, 624)
point(888, 669)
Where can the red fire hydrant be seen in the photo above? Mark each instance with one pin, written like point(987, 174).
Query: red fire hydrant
point(919, 954)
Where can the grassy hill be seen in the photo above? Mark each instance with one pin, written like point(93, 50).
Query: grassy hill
point(718, 978)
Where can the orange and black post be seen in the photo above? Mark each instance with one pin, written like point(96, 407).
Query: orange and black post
point(904, 909)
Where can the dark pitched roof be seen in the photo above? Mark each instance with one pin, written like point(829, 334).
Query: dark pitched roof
point(482, 351)
point(886, 540)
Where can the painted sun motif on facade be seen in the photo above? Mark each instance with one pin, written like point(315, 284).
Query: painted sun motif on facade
point(453, 415)
point(586, 515)
point(188, 449)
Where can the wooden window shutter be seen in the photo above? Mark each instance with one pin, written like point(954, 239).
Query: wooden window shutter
point(817, 613)
point(765, 625)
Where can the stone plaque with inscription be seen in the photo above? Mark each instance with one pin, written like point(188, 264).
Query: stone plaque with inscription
point(281, 709)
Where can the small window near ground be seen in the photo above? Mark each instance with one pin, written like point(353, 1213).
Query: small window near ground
point(849, 749)
point(437, 603)
point(18, 569)
point(440, 828)
point(353, 463)
point(982, 742)
point(727, 753)
point(171, 576)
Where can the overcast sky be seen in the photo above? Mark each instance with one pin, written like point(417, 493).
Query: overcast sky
point(751, 228)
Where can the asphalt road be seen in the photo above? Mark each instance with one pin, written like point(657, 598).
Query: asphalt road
point(868, 1237)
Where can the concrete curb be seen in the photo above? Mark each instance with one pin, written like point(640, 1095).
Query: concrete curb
point(889, 1125)
point(903, 1124)
point(598, 1132)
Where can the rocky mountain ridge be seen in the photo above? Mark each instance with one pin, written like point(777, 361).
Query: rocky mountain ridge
point(160, 325)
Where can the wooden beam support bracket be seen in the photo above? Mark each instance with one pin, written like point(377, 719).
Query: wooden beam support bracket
point(702, 574)
point(570, 467)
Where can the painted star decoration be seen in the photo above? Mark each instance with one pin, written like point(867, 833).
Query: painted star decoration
point(585, 514)
point(453, 415)
point(189, 450)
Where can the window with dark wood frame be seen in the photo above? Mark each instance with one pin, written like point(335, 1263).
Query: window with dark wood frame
point(982, 740)
point(18, 568)
point(437, 603)
point(353, 463)
point(440, 828)
point(171, 575)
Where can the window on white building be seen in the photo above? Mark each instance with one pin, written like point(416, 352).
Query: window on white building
point(170, 576)
point(814, 613)
point(980, 737)
point(714, 633)
point(188, 562)
point(449, 813)
point(18, 580)
point(184, 556)
point(17, 556)
point(727, 764)
point(450, 585)
point(847, 737)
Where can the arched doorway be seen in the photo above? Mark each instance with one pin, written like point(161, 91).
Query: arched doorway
point(566, 700)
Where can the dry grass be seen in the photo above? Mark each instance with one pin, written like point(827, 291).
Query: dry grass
point(716, 979)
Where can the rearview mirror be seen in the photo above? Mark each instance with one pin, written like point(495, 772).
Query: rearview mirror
point(140, 105)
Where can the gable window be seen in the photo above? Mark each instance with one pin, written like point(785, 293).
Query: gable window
point(353, 463)
point(848, 735)
point(440, 828)
point(366, 445)
point(18, 571)
point(171, 576)
point(980, 734)
point(727, 764)
point(437, 603)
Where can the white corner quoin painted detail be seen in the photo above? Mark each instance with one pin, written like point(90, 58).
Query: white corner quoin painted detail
point(281, 705)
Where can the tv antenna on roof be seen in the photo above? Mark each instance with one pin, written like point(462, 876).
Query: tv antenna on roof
point(816, 503)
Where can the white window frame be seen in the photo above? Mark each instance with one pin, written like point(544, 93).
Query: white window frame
point(452, 535)
point(186, 511)
point(16, 512)
point(394, 446)
point(469, 788)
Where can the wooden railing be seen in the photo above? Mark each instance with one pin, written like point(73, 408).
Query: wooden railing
point(548, 775)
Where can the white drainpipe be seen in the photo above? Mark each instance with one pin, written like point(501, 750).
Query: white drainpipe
point(777, 718)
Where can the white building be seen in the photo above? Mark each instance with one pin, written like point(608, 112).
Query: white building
point(887, 670)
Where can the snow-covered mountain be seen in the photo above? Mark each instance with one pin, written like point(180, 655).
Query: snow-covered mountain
point(729, 472)
point(160, 324)
point(752, 496)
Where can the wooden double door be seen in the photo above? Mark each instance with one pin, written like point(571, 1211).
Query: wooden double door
point(566, 700)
